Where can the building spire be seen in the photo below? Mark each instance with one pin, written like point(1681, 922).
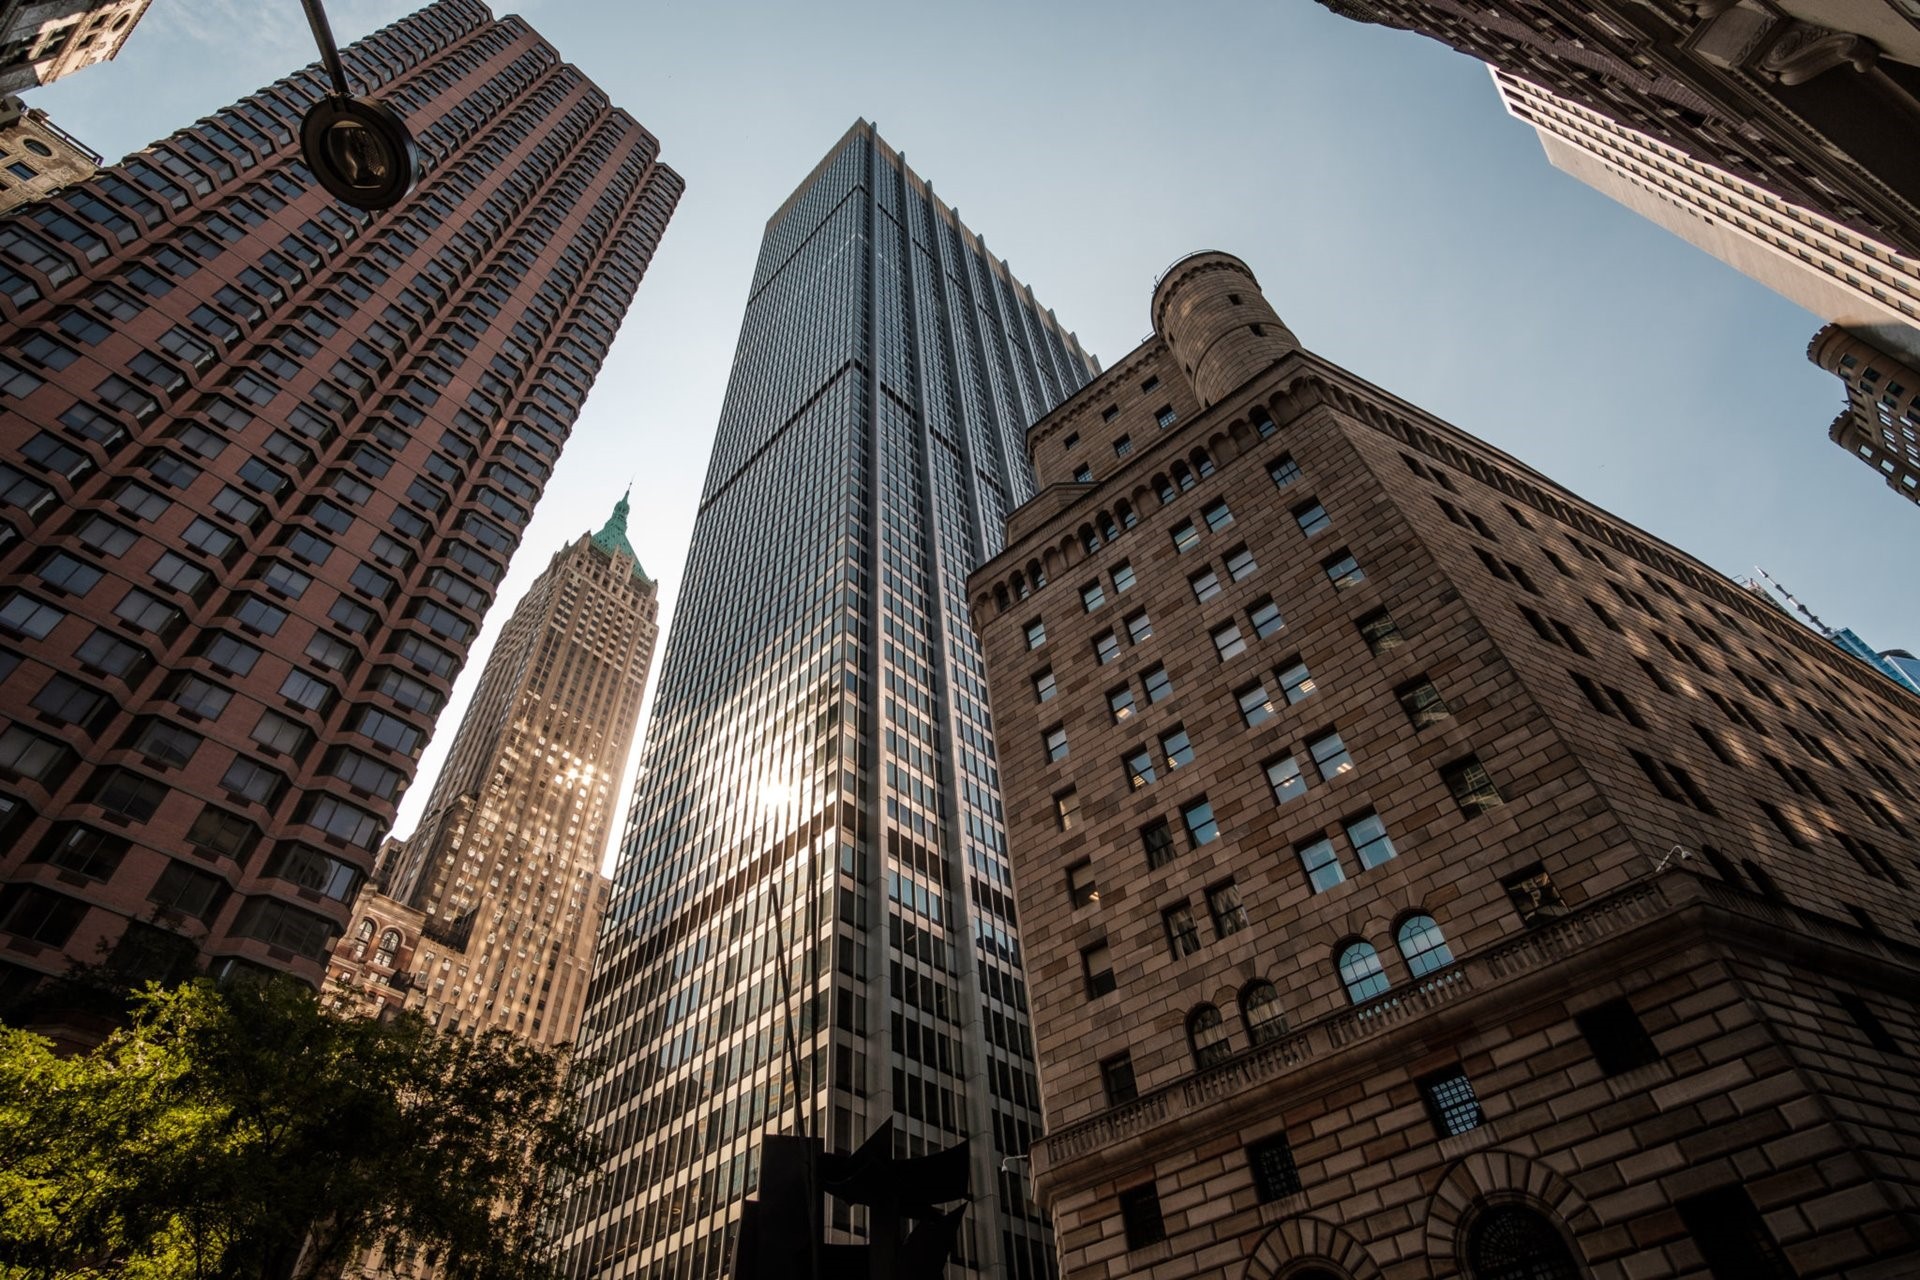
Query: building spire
point(612, 537)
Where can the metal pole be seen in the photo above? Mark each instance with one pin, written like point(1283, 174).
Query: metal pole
point(329, 52)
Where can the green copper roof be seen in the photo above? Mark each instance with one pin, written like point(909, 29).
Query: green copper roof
point(612, 537)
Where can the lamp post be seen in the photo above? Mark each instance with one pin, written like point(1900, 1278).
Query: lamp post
point(361, 150)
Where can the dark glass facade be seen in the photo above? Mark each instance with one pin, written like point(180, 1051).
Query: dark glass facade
point(820, 768)
point(263, 460)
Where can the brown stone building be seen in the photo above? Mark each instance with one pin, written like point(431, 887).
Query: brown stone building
point(486, 916)
point(1423, 872)
point(262, 462)
point(1815, 100)
point(37, 156)
point(1879, 421)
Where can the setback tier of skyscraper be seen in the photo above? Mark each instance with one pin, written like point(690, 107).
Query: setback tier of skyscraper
point(1424, 873)
point(264, 459)
point(819, 774)
point(486, 916)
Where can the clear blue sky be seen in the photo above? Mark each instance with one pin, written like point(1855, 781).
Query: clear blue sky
point(1397, 218)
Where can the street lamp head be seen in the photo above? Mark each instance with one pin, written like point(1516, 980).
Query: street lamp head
point(361, 151)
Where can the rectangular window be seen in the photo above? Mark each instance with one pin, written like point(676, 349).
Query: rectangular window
point(1228, 642)
point(1275, 1176)
point(1183, 935)
point(1297, 682)
point(1158, 684)
point(1312, 518)
point(1081, 887)
point(1036, 634)
point(1096, 963)
point(1123, 446)
point(1066, 808)
point(1140, 1217)
point(1617, 1037)
point(1732, 1236)
point(1092, 596)
point(1284, 776)
point(1139, 627)
point(1205, 584)
point(1185, 537)
point(1176, 747)
point(1217, 515)
point(1223, 904)
point(1283, 471)
point(1055, 741)
point(1472, 786)
point(1123, 577)
point(1120, 703)
point(1045, 686)
point(1369, 838)
point(1106, 647)
point(1451, 1102)
point(1266, 619)
point(1157, 839)
point(1201, 827)
point(1322, 864)
point(1330, 754)
point(1255, 706)
point(1422, 703)
point(1343, 571)
point(1116, 1078)
point(1240, 563)
point(1139, 767)
point(1380, 632)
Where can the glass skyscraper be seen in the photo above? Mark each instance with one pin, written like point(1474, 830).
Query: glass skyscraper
point(819, 775)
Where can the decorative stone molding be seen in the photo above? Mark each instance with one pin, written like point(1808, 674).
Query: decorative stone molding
point(1497, 1176)
point(1302, 1243)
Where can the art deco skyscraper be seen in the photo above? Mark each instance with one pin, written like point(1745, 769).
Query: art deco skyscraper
point(819, 770)
point(486, 916)
point(262, 462)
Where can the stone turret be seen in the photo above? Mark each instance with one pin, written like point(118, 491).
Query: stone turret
point(1214, 319)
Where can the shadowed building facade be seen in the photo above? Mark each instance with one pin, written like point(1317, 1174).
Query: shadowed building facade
point(818, 778)
point(1422, 872)
point(486, 916)
point(264, 459)
point(1814, 100)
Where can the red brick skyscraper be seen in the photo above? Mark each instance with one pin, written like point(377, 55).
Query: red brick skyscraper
point(1424, 873)
point(263, 460)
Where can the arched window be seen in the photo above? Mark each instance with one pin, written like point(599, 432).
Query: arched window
point(1263, 423)
point(1183, 477)
point(1513, 1242)
point(1260, 1010)
point(1202, 462)
point(1422, 946)
point(389, 943)
point(1162, 490)
point(1108, 529)
point(1128, 518)
point(1207, 1033)
point(1360, 971)
point(361, 937)
point(1089, 541)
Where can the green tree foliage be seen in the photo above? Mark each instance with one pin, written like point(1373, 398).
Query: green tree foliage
point(244, 1131)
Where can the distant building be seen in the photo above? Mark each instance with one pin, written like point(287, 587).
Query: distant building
point(1422, 872)
point(42, 40)
point(486, 917)
point(1879, 423)
point(1905, 663)
point(37, 156)
point(1813, 100)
